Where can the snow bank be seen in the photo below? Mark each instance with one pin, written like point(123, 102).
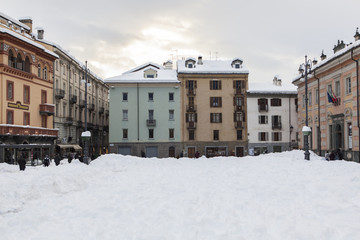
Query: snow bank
point(272, 196)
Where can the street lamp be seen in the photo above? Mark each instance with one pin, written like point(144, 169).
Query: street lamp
point(86, 135)
point(304, 70)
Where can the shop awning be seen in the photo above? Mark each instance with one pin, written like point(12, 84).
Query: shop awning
point(74, 146)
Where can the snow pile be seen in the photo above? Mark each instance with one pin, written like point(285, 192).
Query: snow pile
point(272, 196)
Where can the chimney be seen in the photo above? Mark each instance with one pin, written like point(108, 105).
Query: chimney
point(323, 56)
point(357, 34)
point(27, 22)
point(339, 46)
point(40, 32)
point(168, 65)
point(277, 81)
point(200, 62)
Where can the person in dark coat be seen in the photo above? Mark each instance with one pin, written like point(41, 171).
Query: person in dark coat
point(46, 161)
point(197, 154)
point(57, 159)
point(143, 154)
point(22, 162)
point(332, 155)
point(70, 157)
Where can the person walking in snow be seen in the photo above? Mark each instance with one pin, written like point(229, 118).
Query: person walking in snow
point(46, 161)
point(197, 154)
point(327, 156)
point(70, 157)
point(22, 162)
point(57, 159)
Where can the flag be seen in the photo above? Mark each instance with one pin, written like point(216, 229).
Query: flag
point(334, 97)
point(330, 100)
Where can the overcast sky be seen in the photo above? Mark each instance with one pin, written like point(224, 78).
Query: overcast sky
point(271, 36)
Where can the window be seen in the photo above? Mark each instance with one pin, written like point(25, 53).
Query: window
point(151, 97)
point(171, 97)
point(215, 117)
point(329, 88)
point(191, 117)
point(151, 133)
point(171, 133)
point(57, 65)
point(43, 96)
point(39, 71)
point(263, 104)
point(310, 98)
point(317, 96)
point(215, 84)
point(237, 65)
point(151, 114)
point(216, 135)
point(215, 102)
point(348, 85)
point(171, 114)
point(275, 102)
point(45, 73)
point(238, 101)
point(26, 94)
point(238, 84)
point(44, 121)
point(125, 97)
point(26, 118)
point(9, 117)
point(125, 133)
point(11, 59)
point(10, 91)
point(239, 117)
point(190, 65)
point(337, 89)
point(303, 102)
point(191, 135)
point(125, 115)
point(263, 119)
point(276, 136)
point(263, 136)
point(276, 121)
point(191, 84)
point(239, 134)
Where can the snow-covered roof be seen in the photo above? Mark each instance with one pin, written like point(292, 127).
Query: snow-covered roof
point(144, 66)
point(212, 66)
point(15, 21)
point(328, 59)
point(270, 88)
point(163, 76)
point(27, 40)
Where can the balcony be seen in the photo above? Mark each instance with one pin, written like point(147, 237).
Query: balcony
point(91, 107)
point(191, 125)
point(239, 124)
point(79, 123)
point(59, 93)
point(151, 122)
point(47, 109)
point(82, 103)
point(106, 128)
point(25, 130)
point(276, 126)
point(191, 92)
point(107, 112)
point(239, 91)
point(73, 99)
point(101, 110)
point(69, 121)
point(191, 108)
point(263, 108)
point(238, 108)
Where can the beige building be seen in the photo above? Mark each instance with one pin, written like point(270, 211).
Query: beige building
point(26, 90)
point(213, 106)
point(69, 99)
point(333, 102)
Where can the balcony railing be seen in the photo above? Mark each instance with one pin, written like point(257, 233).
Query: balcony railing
point(151, 122)
point(191, 108)
point(107, 112)
point(239, 124)
point(47, 109)
point(238, 108)
point(101, 110)
point(23, 130)
point(239, 91)
point(79, 123)
point(82, 103)
point(59, 93)
point(191, 92)
point(191, 125)
point(73, 99)
point(263, 107)
point(69, 121)
point(276, 126)
point(91, 107)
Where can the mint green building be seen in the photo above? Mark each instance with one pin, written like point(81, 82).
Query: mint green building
point(145, 112)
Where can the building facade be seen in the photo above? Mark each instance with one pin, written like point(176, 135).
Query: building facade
point(26, 103)
point(333, 101)
point(273, 110)
point(213, 107)
point(145, 112)
point(69, 98)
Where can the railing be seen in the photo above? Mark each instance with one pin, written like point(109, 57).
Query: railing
point(22, 130)
point(239, 124)
point(59, 93)
point(191, 92)
point(263, 107)
point(238, 108)
point(82, 103)
point(151, 122)
point(191, 108)
point(191, 125)
point(239, 91)
point(276, 126)
point(73, 99)
point(47, 109)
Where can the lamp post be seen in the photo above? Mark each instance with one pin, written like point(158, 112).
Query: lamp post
point(86, 135)
point(304, 70)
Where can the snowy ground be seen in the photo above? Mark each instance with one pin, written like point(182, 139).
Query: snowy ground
point(272, 196)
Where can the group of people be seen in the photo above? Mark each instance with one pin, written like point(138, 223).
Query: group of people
point(333, 155)
point(46, 161)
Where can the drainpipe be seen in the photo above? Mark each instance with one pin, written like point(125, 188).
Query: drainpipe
point(357, 92)
point(138, 124)
point(319, 129)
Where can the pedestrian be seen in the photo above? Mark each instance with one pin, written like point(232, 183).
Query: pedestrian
point(70, 157)
point(57, 159)
point(327, 156)
point(46, 161)
point(332, 155)
point(197, 154)
point(338, 154)
point(182, 154)
point(143, 154)
point(22, 162)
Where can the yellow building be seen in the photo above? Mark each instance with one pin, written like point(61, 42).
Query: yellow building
point(213, 107)
point(26, 93)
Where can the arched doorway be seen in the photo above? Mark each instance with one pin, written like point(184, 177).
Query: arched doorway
point(171, 151)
